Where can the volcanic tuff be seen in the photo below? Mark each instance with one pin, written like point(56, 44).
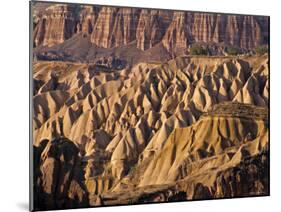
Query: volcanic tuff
point(113, 27)
point(123, 114)
point(127, 123)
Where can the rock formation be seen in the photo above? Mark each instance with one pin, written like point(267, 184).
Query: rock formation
point(113, 27)
point(58, 181)
point(122, 114)
point(55, 25)
point(135, 117)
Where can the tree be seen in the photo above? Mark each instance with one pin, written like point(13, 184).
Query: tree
point(261, 50)
point(197, 49)
point(232, 50)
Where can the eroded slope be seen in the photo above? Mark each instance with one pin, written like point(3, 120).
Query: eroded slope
point(156, 129)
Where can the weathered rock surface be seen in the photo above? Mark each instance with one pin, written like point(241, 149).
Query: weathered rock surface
point(113, 27)
point(249, 177)
point(122, 114)
point(55, 25)
point(203, 161)
point(58, 175)
point(172, 122)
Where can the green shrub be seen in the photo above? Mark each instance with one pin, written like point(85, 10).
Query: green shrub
point(196, 49)
point(232, 50)
point(260, 50)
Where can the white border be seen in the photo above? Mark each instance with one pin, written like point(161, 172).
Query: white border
point(14, 104)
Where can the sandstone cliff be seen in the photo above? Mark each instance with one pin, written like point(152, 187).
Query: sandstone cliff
point(113, 27)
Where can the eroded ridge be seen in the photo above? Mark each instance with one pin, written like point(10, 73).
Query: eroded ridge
point(191, 128)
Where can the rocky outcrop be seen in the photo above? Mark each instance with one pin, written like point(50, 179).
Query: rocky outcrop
point(238, 30)
point(151, 28)
point(219, 147)
point(122, 114)
point(113, 27)
point(249, 177)
point(88, 18)
point(58, 179)
point(146, 126)
point(55, 25)
point(203, 164)
point(178, 33)
point(139, 108)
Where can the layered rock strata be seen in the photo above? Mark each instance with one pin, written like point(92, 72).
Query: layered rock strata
point(110, 27)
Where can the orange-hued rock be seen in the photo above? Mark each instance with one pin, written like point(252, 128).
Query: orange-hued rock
point(88, 19)
point(209, 140)
point(113, 27)
point(145, 127)
point(55, 25)
point(177, 35)
point(123, 114)
point(203, 161)
point(152, 25)
point(150, 117)
point(82, 105)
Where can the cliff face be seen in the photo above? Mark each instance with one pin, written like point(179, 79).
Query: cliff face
point(115, 27)
point(123, 115)
point(151, 28)
point(87, 19)
point(57, 24)
point(112, 27)
point(178, 33)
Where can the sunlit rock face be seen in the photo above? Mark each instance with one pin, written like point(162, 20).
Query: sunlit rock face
point(112, 27)
point(124, 114)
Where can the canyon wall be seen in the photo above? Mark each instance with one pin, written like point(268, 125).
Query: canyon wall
point(109, 27)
